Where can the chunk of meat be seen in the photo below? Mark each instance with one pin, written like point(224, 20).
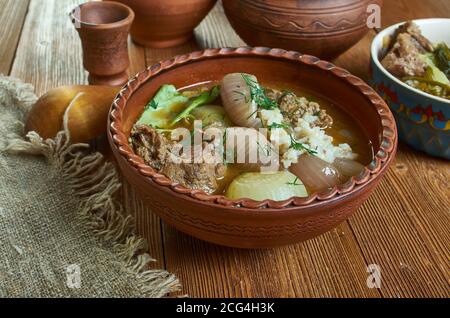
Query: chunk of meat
point(150, 145)
point(294, 108)
point(413, 29)
point(274, 94)
point(199, 176)
point(158, 152)
point(404, 58)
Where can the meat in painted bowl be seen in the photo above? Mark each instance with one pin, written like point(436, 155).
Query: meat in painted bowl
point(410, 69)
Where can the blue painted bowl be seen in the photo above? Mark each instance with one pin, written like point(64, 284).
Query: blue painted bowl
point(423, 120)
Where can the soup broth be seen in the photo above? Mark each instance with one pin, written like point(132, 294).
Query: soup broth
point(344, 130)
point(318, 145)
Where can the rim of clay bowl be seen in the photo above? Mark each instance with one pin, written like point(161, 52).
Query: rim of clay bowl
point(382, 159)
point(374, 52)
point(128, 19)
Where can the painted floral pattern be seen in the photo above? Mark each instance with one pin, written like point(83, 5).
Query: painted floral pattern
point(419, 114)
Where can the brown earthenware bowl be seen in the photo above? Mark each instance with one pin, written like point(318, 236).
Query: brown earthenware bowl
point(161, 24)
point(324, 28)
point(246, 223)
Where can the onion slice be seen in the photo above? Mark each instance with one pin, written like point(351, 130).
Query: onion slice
point(315, 173)
point(237, 100)
point(348, 167)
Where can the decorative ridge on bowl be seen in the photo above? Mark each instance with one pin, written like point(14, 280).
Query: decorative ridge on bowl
point(388, 142)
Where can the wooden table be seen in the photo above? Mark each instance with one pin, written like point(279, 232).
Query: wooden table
point(404, 227)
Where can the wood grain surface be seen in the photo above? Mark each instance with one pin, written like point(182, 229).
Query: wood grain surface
point(12, 15)
point(403, 228)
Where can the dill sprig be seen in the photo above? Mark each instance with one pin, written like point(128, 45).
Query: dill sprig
point(242, 94)
point(258, 94)
point(251, 115)
point(267, 148)
point(152, 104)
point(277, 125)
point(300, 146)
point(295, 182)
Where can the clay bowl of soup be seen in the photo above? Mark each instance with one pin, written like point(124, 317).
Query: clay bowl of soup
point(251, 147)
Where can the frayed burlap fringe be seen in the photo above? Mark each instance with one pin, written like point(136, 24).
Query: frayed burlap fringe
point(95, 183)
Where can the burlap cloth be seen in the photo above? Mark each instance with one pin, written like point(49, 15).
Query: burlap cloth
point(62, 233)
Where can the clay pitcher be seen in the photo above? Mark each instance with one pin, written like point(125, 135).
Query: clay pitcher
point(103, 28)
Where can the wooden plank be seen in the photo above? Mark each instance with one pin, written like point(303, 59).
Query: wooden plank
point(12, 14)
point(403, 10)
point(137, 58)
point(328, 266)
point(331, 265)
point(357, 59)
point(49, 51)
point(403, 228)
point(404, 225)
